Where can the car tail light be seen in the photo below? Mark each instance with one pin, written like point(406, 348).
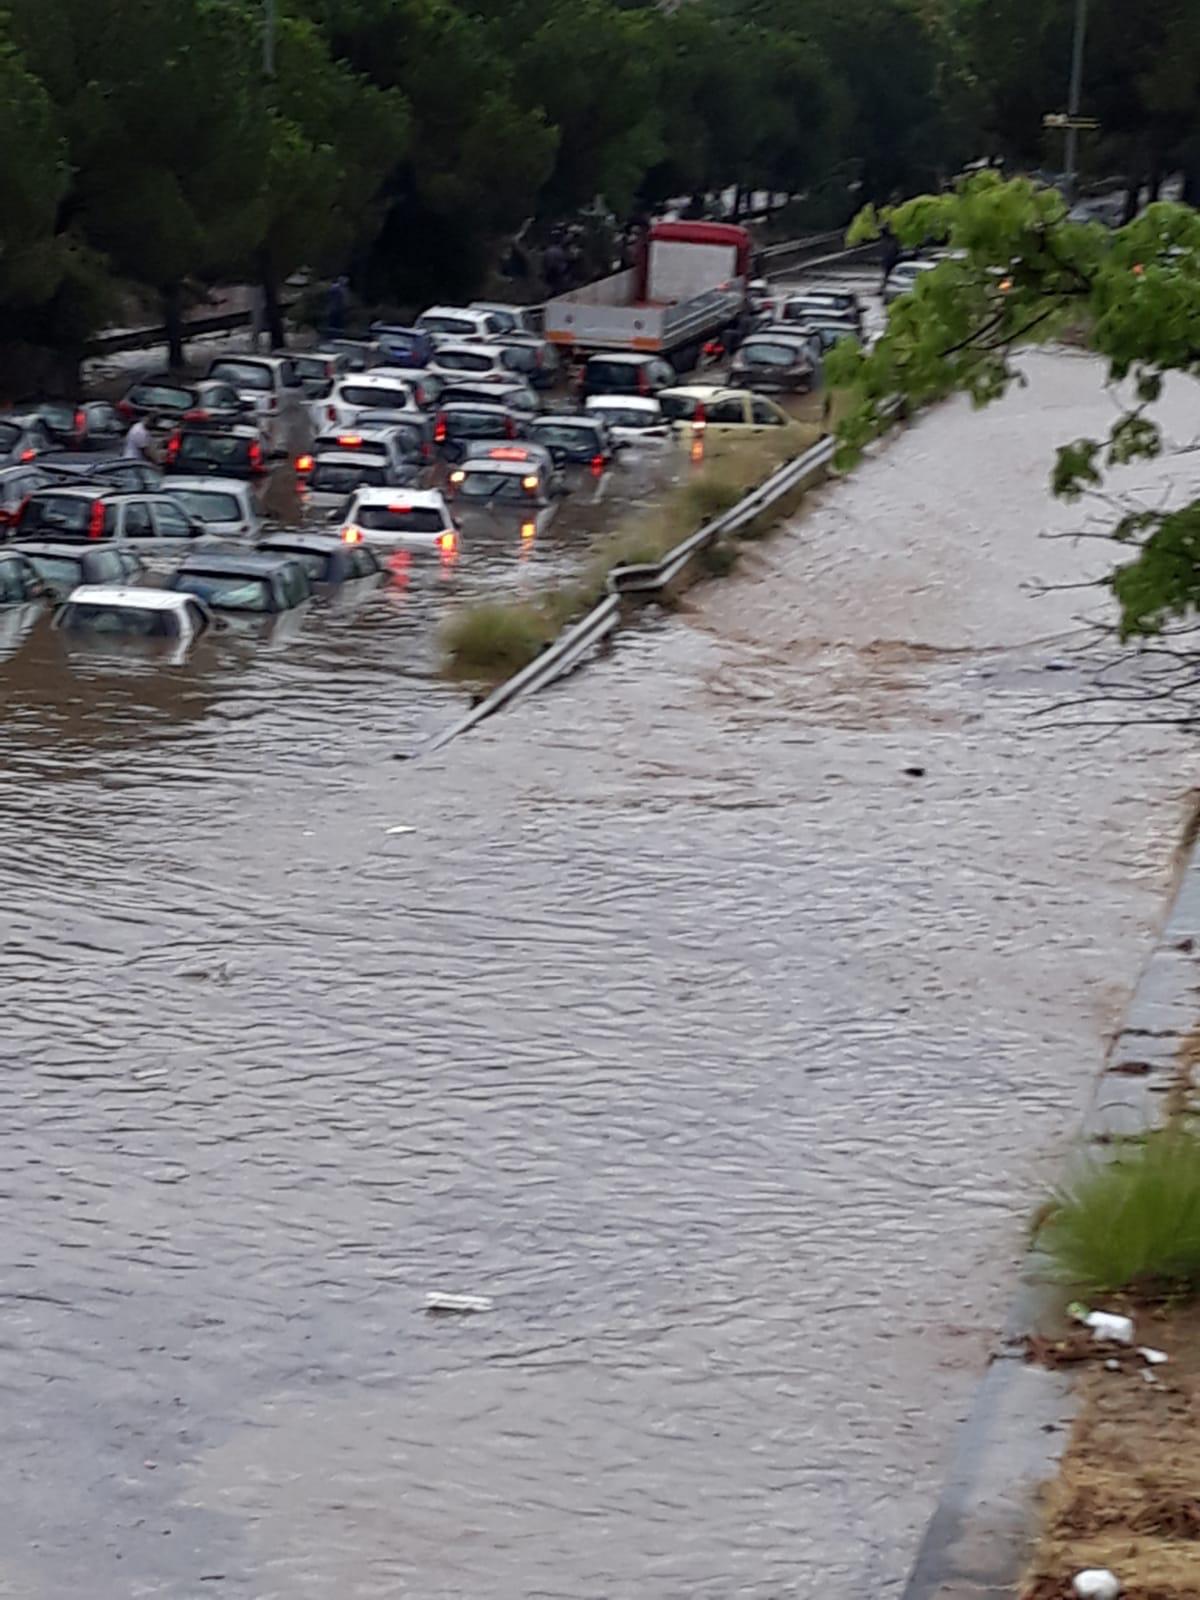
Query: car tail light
point(256, 456)
point(172, 448)
point(439, 430)
point(80, 423)
point(272, 402)
point(304, 463)
point(124, 407)
point(352, 535)
point(96, 520)
point(350, 440)
point(331, 413)
point(198, 414)
point(699, 418)
point(447, 540)
point(510, 427)
point(28, 455)
point(597, 465)
point(714, 347)
point(509, 452)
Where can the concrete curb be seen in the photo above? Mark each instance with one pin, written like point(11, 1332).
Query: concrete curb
point(984, 1526)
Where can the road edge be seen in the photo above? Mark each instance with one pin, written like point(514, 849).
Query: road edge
point(985, 1523)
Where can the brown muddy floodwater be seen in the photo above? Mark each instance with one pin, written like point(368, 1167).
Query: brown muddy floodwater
point(724, 1056)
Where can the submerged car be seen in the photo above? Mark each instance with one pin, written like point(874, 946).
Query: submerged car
point(226, 506)
point(63, 567)
point(254, 580)
point(19, 579)
point(408, 518)
point(488, 481)
point(327, 483)
point(101, 611)
point(629, 418)
point(577, 437)
point(785, 365)
point(223, 452)
point(326, 557)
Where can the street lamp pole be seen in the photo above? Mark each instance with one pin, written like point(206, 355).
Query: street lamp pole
point(1081, 8)
point(269, 39)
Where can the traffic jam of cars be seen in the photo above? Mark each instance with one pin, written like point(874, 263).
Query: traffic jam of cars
point(149, 517)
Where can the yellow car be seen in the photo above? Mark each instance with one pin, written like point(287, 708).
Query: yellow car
point(697, 410)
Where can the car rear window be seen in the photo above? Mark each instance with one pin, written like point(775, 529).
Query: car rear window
point(58, 414)
point(313, 367)
point(619, 377)
point(226, 591)
point(214, 507)
point(480, 484)
point(356, 394)
point(314, 562)
point(473, 425)
point(79, 617)
point(212, 449)
point(619, 417)
point(569, 435)
point(335, 477)
point(243, 374)
point(58, 569)
point(465, 361)
point(61, 513)
point(400, 519)
point(161, 396)
point(677, 406)
point(770, 355)
point(359, 443)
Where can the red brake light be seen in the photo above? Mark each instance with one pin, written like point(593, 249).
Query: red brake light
point(331, 413)
point(439, 430)
point(508, 452)
point(81, 421)
point(699, 419)
point(597, 465)
point(350, 439)
point(256, 455)
point(28, 455)
point(304, 463)
point(96, 520)
point(124, 408)
point(399, 510)
point(197, 414)
point(172, 447)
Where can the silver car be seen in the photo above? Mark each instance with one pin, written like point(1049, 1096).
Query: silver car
point(226, 506)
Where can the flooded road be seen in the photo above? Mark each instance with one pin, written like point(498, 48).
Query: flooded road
point(667, 1010)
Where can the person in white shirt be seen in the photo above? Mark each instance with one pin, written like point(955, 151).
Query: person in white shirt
point(139, 446)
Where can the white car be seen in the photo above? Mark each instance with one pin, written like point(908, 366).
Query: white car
point(226, 506)
point(100, 611)
point(272, 386)
point(631, 418)
point(470, 361)
point(357, 392)
point(513, 319)
point(413, 518)
point(903, 277)
point(460, 322)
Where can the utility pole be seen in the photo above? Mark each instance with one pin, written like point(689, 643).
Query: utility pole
point(1076, 90)
point(268, 39)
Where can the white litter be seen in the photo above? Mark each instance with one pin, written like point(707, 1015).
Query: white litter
point(1149, 1376)
point(1107, 1325)
point(1096, 1583)
point(463, 1304)
point(402, 827)
point(1112, 1364)
point(1153, 1358)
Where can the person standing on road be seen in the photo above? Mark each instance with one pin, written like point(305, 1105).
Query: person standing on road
point(139, 445)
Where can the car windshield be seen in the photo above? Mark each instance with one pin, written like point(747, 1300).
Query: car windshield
point(161, 396)
point(78, 617)
point(618, 417)
point(312, 368)
point(212, 449)
point(400, 519)
point(58, 569)
point(479, 484)
point(447, 325)
point(214, 507)
point(242, 374)
point(332, 477)
point(569, 436)
point(314, 562)
point(770, 355)
point(227, 591)
point(355, 394)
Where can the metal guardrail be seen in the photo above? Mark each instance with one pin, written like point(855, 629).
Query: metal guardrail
point(644, 582)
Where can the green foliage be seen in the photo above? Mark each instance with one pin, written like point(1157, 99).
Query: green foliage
point(1020, 271)
point(494, 639)
point(1132, 1223)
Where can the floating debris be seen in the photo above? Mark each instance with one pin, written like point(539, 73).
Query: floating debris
point(457, 1304)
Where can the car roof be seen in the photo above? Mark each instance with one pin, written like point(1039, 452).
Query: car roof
point(572, 419)
point(63, 547)
point(469, 347)
point(622, 402)
point(628, 358)
point(255, 563)
point(541, 451)
point(93, 491)
point(379, 380)
point(216, 485)
point(103, 594)
point(247, 355)
point(354, 430)
point(347, 458)
point(450, 311)
point(491, 464)
point(224, 430)
point(301, 539)
point(391, 417)
point(373, 495)
point(476, 405)
point(705, 391)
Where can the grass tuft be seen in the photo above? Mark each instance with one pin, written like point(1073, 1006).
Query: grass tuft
point(1132, 1223)
point(495, 639)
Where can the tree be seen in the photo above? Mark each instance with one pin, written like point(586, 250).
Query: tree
point(1021, 272)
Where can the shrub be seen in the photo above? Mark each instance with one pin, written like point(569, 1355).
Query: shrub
point(495, 639)
point(1133, 1222)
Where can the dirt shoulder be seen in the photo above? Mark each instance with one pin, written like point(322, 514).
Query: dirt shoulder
point(1127, 1497)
